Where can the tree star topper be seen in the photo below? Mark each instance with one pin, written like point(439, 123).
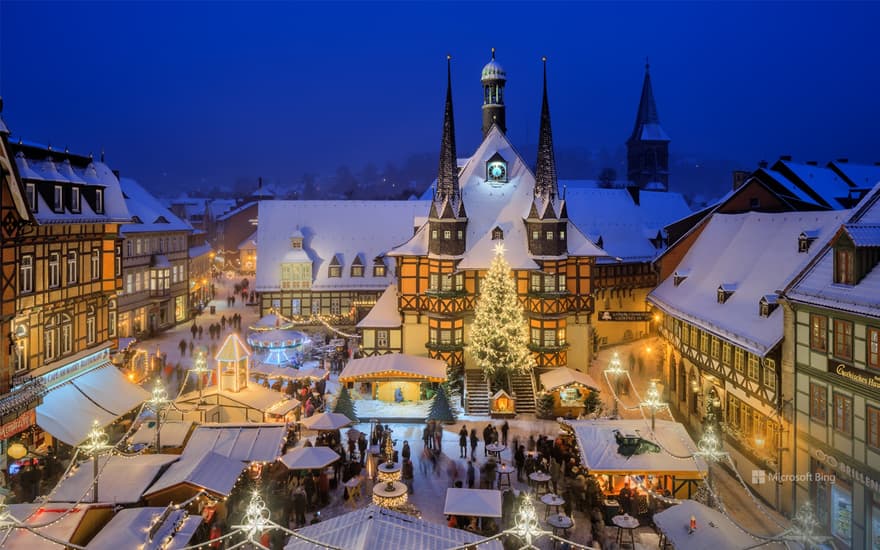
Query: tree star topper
point(499, 249)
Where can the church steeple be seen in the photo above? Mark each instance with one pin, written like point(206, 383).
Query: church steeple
point(648, 146)
point(447, 174)
point(493, 79)
point(546, 185)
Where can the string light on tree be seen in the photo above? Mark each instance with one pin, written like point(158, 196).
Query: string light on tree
point(709, 449)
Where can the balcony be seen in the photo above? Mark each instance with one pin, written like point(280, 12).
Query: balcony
point(548, 348)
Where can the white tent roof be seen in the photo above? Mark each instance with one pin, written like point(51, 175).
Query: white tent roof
point(394, 365)
point(123, 480)
point(61, 525)
point(244, 442)
point(173, 434)
point(473, 502)
point(289, 373)
point(210, 471)
point(326, 421)
point(384, 313)
point(373, 527)
point(563, 376)
point(309, 458)
point(254, 396)
point(129, 528)
point(714, 529)
point(599, 449)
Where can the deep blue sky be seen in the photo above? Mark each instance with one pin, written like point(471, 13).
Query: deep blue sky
point(197, 92)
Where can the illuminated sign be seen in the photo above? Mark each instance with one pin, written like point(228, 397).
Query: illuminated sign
point(858, 376)
point(625, 316)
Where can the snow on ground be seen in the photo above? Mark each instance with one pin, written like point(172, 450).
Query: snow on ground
point(373, 408)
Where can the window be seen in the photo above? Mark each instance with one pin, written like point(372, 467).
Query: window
point(873, 352)
point(843, 266)
point(716, 347)
point(535, 282)
point(30, 192)
point(460, 235)
point(562, 282)
point(54, 270)
point(334, 306)
point(685, 336)
point(91, 328)
point(536, 336)
point(137, 281)
point(434, 234)
point(560, 336)
point(873, 436)
point(725, 353)
point(334, 271)
point(66, 336)
point(497, 234)
point(357, 271)
point(739, 360)
point(753, 372)
point(770, 374)
point(381, 338)
point(447, 234)
point(842, 413)
point(295, 306)
point(71, 267)
point(818, 403)
point(99, 201)
point(704, 342)
point(842, 339)
point(434, 281)
point(74, 199)
point(316, 306)
point(26, 274)
point(50, 341)
point(58, 202)
point(138, 247)
point(818, 332)
point(549, 337)
point(536, 235)
point(550, 235)
point(111, 322)
point(96, 264)
point(562, 235)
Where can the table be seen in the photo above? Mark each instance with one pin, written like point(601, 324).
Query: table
point(626, 524)
point(551, 501)
point(505, 470)
point(560, 522)
point(539, 480)
point(495, 449)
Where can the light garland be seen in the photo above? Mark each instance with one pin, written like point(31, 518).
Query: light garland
point(256, 518)
point(392, 494)
point(653, 401)
point(388, 473)
point(526, 526)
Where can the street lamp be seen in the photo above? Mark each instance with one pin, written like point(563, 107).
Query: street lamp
point(201, 369)
point(157, 402)
point(709, 449)
point(615, 369)
point(96, 443)
point(653, 401)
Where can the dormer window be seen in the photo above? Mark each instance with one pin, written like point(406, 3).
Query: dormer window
point(74, 199)
point(496, 169)
point(497, 234)
point(379, 269)
point(844, 266)
point(767, 305)
point(805, 239)
point(99, 201)
point(335, 269)
point(30, 192)
point(58, 199)
point(679, 276)
point(725, 291)
point(357, 267)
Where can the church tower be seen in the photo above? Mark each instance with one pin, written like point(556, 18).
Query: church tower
point(447, 219)
point(647, 149)
point(493, 79)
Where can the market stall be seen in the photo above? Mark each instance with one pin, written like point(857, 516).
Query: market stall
point(71, 524)
point(690, 525)
point(571, 390)
point(309, 458)
point(123, 479)
point(484, 503)
point(326, 422)
point(393, 377)
point(212, 474)
point(150, 527)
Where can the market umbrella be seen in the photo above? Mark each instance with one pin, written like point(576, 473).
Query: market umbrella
point(326, 422)
point(309, 458)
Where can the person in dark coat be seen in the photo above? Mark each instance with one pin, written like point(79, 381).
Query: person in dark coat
point(362, 448)
point(474, 441)
point(471, 473)
point(504, 429)
point(487, 438)
point(519, 458)
point(405, 452)
point(462, 442)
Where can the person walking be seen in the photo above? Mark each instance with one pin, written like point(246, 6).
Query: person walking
point(519, 458)
point(405, 452)
point(424, 460)
point(471, 473)
point(194, 329)
point(474, 442)
point(200, 332)
point(487, 438)
point(362, 447)
point(406, 472)
point(462, 442)
point(504, 429)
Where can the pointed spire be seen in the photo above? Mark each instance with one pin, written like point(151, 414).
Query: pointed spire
point(493, 54)
point(447, 174)
point(546, 184)
point(647, 113)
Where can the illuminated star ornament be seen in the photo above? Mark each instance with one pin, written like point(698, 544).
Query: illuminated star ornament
point(526, 527)
point(499, 249)
point(256, 518)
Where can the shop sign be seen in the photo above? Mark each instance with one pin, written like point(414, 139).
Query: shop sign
point(625, 316)
point(844, 468)
point(18, 425)
point(858, 376)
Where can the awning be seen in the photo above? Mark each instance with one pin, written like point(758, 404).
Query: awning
point(394, 366)
point(123, 479)
point(484, 503)
point(326, 422)
point(110, 389)
point(564, 376)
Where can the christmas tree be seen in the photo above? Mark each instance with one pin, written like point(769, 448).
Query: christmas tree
point(499, 338)
point(440, 409)
point(344, 404)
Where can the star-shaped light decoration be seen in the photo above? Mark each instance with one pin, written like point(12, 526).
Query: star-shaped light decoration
point(97, 441)
point(709, 446)
point(256, 518)
point(804, 528)
point(526, 525)
point(499, 249)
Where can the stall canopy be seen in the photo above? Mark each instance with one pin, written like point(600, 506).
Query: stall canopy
point(309, 458)
point(123, 480)
point(174, 433)
point(212, 472)
point(289, 373)
point(714, 529)
point(622, 447)
point(254, 396)
point(326, 422)
point(394, 366)
point(243, 442)
point(564, 376)
point(271, 322)
point(484, 503)
point(374, 527)
point(102, 394)
point(60, 522)
point(147, 528)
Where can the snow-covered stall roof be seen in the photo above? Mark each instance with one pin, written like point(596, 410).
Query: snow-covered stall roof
point(253, 396)
point(209, 471)
point(233, 349)
point(599, 448)
point(758, 252)
point(374, 527)
point(473, 502)
point(394, 365)
point(57, 521)
point(816, 284)
point(174, 433)
point(714, 529)
point(326, 421)
point(384, 313)
point(132, 528)
point(153, 215)
point(123, 479)
point(345, 229)
point(309, 458)
point(245, 442)
point(564, 376)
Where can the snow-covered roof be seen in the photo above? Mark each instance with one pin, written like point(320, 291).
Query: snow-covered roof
point(343, 229)
point(238, 209)
point(484, 503)
point(250, 243)
point(210, 471)
point(394, 365)
point(200, 250)
point(714, 529)
point(244, 442)
point(130, 528)
point(374, 527)
point(233, 349)
point(653, 132)
point(756, 252)
point(822, 180)
point(384, 313)
point(153, 215)
point(253, 396)
point(864, 176)
point(123, 479)
point(326, 421)
point(816, 284)
point(626, 228)
point(56, 521)
point(309, 458)
point(863, 234)
point(599, 448)
point(174, 433)
point(564, 376)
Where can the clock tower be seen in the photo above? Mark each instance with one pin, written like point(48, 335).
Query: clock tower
point(493, 79)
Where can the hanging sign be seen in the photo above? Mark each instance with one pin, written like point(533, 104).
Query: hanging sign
point(18, 425)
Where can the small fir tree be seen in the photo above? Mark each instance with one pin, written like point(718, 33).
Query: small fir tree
point(592, 403)
point(440, 409)
point(344, 405)
point(499, 337)
point(545, 405)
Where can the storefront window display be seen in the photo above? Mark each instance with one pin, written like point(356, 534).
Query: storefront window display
point(875, 525)
point(841, 512)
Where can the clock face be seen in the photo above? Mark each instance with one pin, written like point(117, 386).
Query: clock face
point(497, 171)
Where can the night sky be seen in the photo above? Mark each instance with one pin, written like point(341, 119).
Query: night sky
point(198, 94)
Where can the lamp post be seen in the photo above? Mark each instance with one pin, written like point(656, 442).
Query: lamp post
point(157, 402)
point(709, 449)
point(201, 369)
point(615, 369)
point(97, 443)
point(653, 401)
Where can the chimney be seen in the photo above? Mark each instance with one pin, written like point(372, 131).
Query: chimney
point(786, 158)
point(842, 161)
point(762, 164)
point(812, 163)
point(739, 178)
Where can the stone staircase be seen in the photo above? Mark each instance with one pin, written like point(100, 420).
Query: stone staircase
point(524, 387)
point(477, 389)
